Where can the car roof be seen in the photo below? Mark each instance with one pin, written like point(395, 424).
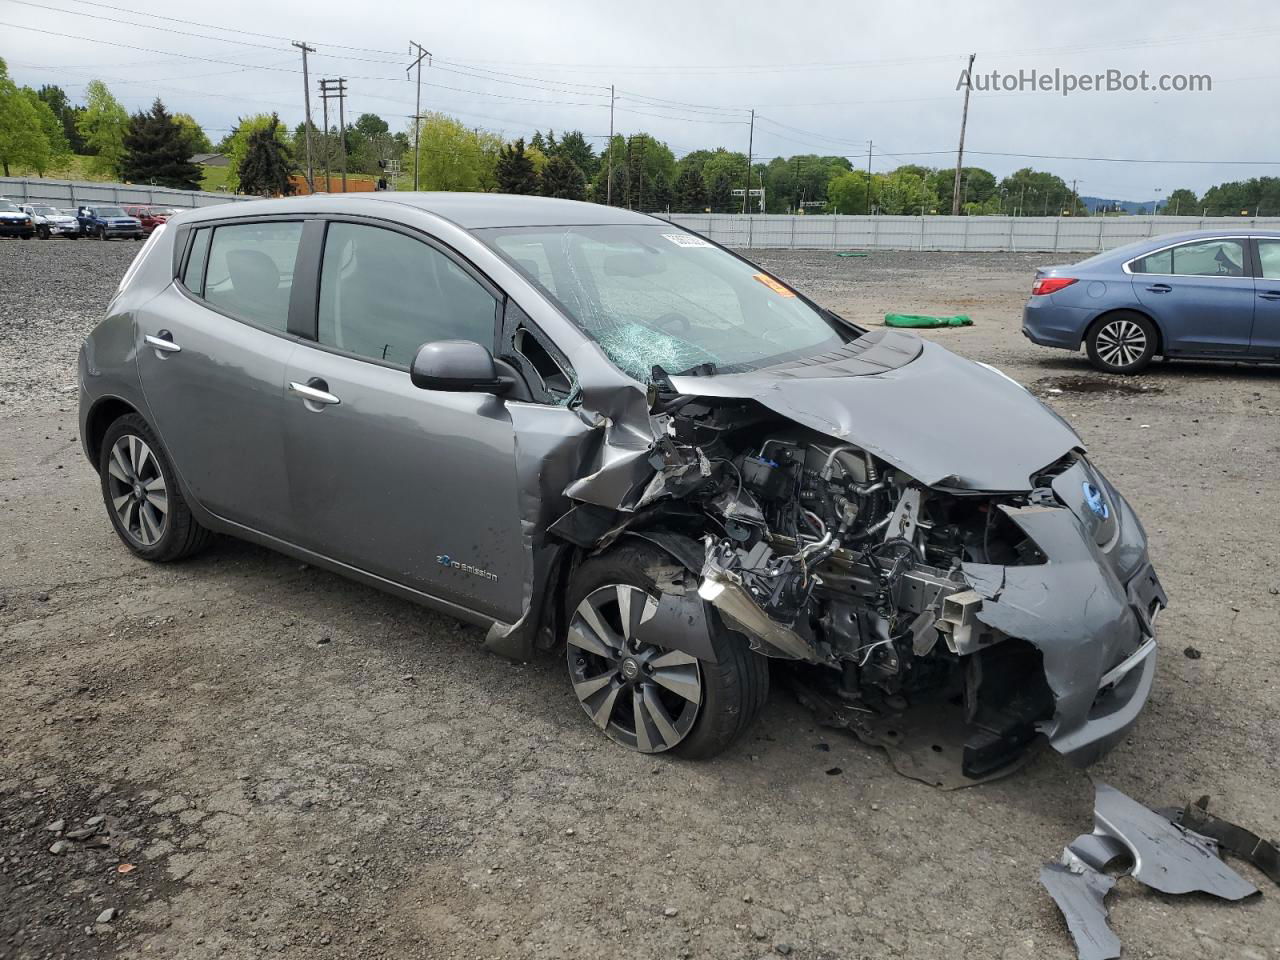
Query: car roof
point(471, 211)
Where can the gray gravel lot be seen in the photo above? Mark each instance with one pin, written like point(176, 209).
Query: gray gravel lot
point(301, 767)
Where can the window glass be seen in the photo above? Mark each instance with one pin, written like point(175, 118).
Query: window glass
point(193, 275)
point(1269, 254)
point(384, 294)
point(251, 270)
point(656, 295)
point(1208, 258)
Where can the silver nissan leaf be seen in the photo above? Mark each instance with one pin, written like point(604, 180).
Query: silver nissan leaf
point(589, 430)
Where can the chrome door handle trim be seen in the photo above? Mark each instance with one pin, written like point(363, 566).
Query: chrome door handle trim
point(159, 343)
point(312, 394)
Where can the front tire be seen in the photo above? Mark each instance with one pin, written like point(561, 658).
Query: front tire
point(142, 497)
point(44, 233)
point(1121, 342)
point(650, 697)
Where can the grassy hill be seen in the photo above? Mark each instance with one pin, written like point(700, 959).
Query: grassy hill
point(76, 167)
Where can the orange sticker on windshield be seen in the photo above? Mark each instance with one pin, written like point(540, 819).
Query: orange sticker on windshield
point(774, 285)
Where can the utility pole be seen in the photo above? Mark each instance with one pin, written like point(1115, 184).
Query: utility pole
point(869, 143)
point(417, 102)
point(746, 192)
point(608, 189)
point(964, 120)
point(324, 100)
point(306, 97)
point(1074, 199)
point(335, 90)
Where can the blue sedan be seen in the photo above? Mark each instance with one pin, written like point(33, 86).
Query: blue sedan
point(1205, 294)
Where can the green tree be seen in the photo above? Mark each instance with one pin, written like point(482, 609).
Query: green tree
point(157, 150)
point(564, 179)
point(574, 146)
point(1032, 193)
point(1182, 203)
point(66, 113)
point(690, 191)
point(267, 162)
point(850, 192)
point(236, 144)
point(976, 186)
point(1258, 196)
point(193, 134)
point(452, 156)
point(906, 192)
point(22, 139)
point(58, 150)
point(537, 141)
point(515, 170)
point(720, 197)
point(102, 127)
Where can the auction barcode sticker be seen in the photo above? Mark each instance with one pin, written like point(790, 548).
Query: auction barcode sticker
point(686, 240)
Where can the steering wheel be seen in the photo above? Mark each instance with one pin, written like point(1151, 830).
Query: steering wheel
point(667, 319)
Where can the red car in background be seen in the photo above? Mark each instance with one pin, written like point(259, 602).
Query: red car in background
point(151, 217)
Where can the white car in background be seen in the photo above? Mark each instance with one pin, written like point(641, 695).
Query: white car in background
point(51, 222)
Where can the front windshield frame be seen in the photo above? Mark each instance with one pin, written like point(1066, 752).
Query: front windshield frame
point(840, 331)
point(7, 206)
point(45, 211)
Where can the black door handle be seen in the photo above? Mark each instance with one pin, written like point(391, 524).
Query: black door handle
point(1270, 295)
point(1160, 288)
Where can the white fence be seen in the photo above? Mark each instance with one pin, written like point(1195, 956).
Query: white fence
point(993, 234)
point(72, 193)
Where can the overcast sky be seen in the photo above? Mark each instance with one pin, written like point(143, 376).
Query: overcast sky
point(824, 77)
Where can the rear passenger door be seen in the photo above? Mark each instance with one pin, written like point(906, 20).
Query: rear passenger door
point(1266, 318)
point(1201, 293)
point(211, 356)
point(413, 486)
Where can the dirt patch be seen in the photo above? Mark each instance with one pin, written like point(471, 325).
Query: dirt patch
point(1093, 384)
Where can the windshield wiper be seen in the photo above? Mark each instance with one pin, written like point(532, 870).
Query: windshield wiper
point(707, 369)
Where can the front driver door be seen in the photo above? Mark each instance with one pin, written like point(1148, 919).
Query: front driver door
point(1266, 318)
point(1201, 294)
point(414, 486)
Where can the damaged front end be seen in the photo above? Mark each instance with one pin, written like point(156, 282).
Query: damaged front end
point(907, 577)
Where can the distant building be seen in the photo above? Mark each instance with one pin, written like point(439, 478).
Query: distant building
point(211, 159)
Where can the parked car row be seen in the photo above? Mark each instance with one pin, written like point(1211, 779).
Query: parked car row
point(106, 222)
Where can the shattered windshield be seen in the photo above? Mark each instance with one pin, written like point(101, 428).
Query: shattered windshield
point(656, 295)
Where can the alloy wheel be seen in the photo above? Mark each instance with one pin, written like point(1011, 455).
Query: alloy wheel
point(641, 695)
point(1121, 343)
point(138, 493)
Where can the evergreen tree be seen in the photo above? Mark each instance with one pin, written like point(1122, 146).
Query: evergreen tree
point(564, 179)
point(157, 149)
point(537, 142)
point(574, 146)
point(515, 170)
point(67, 115)
point(267, 162)
point(721, 194)
point(691, 192)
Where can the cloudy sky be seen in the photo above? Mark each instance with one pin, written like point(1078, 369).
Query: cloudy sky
point(824, 77)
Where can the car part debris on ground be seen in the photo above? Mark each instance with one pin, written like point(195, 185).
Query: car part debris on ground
point(920, 321)
point(1158, 849)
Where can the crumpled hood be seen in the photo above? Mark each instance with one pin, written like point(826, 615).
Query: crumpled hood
point(942, 419)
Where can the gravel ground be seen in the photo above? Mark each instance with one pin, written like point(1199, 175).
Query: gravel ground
point(292, 765)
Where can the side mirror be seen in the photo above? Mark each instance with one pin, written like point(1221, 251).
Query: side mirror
point(460, 366)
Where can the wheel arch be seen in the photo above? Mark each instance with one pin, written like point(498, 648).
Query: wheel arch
point(1142, 312)
point(102, 414)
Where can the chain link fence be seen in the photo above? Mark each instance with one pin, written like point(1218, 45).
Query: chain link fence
point(73, 193)
point(989, 234)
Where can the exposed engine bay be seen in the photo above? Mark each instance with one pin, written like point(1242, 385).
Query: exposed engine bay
point(907, 563)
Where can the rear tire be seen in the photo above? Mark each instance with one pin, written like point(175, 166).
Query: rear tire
point(1122, 342)
point(731, 691)
point(141, 493)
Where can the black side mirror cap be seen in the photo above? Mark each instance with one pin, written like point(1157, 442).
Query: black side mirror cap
point(458, 366)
